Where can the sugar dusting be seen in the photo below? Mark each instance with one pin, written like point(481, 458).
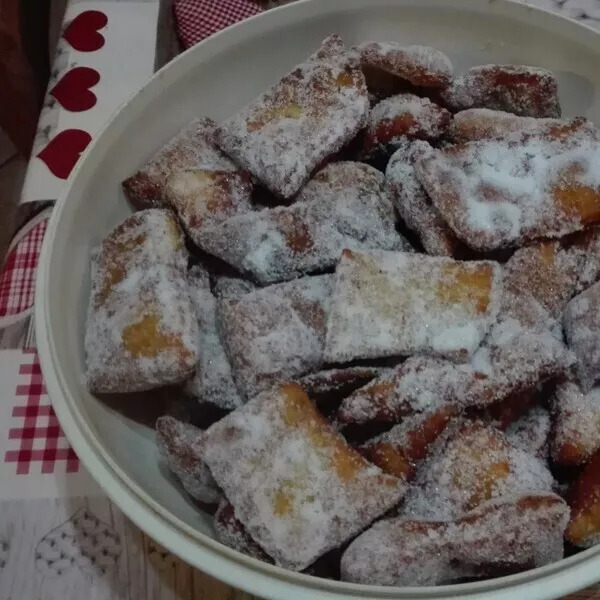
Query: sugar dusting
point(309, 115)
point(178, 443)
point(505, 191)
point(141, 331)
point(515, 532)
point(393, 303)
point(413, 203)
point(212, 381)
point(343, 206)
point(296, 486)
point(276, 333)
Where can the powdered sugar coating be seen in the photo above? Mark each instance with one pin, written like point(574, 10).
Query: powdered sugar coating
point(581, 321)
point(404, 115)
point(232, 533)
point(519, 89)
point(545, 271)
point(334, 380)
point(393, 303)
point(482, 123)
point(512, 360)
point(141, 331)
point(308, 115)
point(531, 431)
point(212, 381)
point(232, 287)
point(192, 148)
point(422, 66)
point(277, 333)
point(576, 424)
point(506, 191)
point(205, 196)
point(512, 533)
point(413, 203)
point(343, 206)
point(178, 444)
point(400, 450)
point(296, 485)
point(468, 465)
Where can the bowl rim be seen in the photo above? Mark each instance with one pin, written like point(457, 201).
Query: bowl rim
point(192, 546)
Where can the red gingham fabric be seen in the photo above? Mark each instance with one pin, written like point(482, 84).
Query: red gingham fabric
point(197, 19)
point(17, 279)
point(38, 436)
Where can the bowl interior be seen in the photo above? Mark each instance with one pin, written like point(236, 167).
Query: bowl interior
point(215, 79)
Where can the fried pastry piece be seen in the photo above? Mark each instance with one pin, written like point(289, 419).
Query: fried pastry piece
point(509, 534)
point(310, 114)
point(511, 362)
point(531, 432)
point(204, 197)
point(393, 303)
point(421, 66)
point(469, 464)
point(404, 116)
point(576, 424)
point(177, 443)
point(191, 150)
point(141, 331)
point(506, 191)
point(328, 388)
point(483, 123)
point(583, 497)
point(522, 90)
point(546, 272)
point(296, 485)
point(399, 450)
point(585, 245)
point(413, 203)
point(343, 206)
point(232, 287)
point(503, 414)
point(212, 381)
point(230, 532)
point(581, 321)
point(277, 333)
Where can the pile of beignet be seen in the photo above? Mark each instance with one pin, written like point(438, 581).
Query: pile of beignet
point(373, 297)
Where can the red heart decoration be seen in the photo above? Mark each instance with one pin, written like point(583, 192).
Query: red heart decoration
point(63, 151)
point(72, 91)
point(82, 31)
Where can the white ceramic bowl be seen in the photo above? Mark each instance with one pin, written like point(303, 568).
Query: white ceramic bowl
point(215, 78)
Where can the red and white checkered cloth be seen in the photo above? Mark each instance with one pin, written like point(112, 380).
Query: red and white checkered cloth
point(37, 437)
point(17, 279)
point(197, 19)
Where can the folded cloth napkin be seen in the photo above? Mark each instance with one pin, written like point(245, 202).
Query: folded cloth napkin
point(197, 19)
